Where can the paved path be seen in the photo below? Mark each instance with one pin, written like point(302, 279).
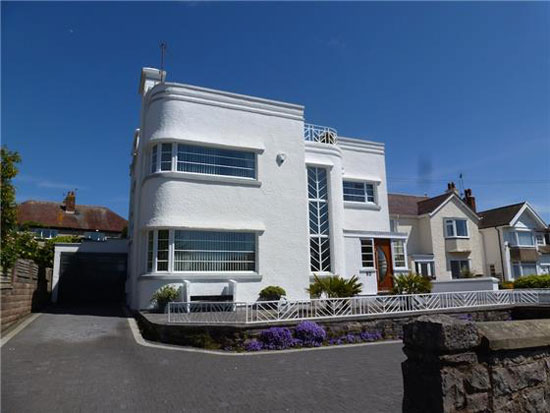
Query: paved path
point(88, 361)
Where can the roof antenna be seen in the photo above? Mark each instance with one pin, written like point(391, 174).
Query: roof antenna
point(461, 183)
point(163, 45)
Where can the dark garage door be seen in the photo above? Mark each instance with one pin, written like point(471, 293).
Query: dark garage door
point(91, 278)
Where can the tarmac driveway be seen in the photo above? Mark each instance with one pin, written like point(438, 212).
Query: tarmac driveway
point(88, 361)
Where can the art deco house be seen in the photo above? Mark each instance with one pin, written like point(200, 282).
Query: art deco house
point(232, 193)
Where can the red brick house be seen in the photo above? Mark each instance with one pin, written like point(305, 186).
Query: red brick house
point(50, 219)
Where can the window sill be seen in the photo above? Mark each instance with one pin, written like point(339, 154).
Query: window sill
point(202, 276)
point(216, 179)
point(361, 205)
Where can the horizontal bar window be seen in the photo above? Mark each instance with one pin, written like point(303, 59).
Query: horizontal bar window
point(215, 161)
point(201, 251)
point(358, 192)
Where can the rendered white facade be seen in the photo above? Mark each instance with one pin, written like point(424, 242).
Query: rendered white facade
point(518, 247)
point(228, 197)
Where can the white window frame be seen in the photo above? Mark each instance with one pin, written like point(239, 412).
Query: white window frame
point(395, 266)
point(539, 235)
point(431, 265)
point(365, 192)
point(373, 267)
point(453, 221)
point(515, 235)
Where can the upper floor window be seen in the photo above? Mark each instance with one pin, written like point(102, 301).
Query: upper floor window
point(203, 160)
point(45, 233)
point(359, 192)
point(540, 239)
point(521, 238)
point(456, 227)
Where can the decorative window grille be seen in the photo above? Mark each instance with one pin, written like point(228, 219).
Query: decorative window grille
point(318, 220)
point(358, 192)
point(214, 251)
point(163, 246)
point(367, 253)
point(150, 252)
point(215, 161)
point(166, 157)
point(399, 260)
point(154, 156)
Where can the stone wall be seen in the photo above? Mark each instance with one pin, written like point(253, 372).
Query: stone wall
point(461, 366)
point(24, 289)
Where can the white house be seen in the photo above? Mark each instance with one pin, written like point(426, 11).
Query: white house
point(443, 236)
point(515, 241)
point(232, 193)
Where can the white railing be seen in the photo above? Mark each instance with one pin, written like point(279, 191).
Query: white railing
point(321, 134)
point(335, 308)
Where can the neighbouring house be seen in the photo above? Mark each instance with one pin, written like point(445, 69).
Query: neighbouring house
point(443, 241)
point(232, 193)
point(515, 240)
point(50, 219)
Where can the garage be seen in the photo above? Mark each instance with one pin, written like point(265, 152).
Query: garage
point(90, 272)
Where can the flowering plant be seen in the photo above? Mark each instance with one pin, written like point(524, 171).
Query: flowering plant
point(310, 333)
point(276, 338)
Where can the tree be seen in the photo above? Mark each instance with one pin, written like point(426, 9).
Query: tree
point(9, 208)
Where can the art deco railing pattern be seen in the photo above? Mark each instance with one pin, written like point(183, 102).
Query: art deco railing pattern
point(336, 308)
point(320, 134)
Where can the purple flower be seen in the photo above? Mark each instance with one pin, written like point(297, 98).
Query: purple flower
point(276, 338)
point(311, 333)
point(254, 345)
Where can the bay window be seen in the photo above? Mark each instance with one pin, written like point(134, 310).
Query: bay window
point(200, 251)
point(359, 192)
point(425, 268)
point(456, 228)
point(203, 160)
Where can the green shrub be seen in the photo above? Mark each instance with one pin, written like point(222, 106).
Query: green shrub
point(334, 287)
point(411, 283)
point(272, 293)
point(163, 296)
point(533, 281)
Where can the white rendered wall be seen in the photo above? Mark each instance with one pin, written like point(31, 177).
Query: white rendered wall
point(492, 249)
point(275, 207)
point(368, 279)
point(454, 209)
point(465, 284)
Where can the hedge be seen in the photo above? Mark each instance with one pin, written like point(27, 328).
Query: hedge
point(533, 281)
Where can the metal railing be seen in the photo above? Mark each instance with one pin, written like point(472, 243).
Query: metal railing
point(336, 308)
point(321, 134)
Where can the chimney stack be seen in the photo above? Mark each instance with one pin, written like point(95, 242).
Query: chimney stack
point(451, 188)
point(469, 199)
point(70, 203)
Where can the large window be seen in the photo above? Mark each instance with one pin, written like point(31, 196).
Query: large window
point(455, 227)
point(367, 253)
point(200, 251)
point(459, 268)
point(398, 252)
point(524, 238)
point(214, 251)
point(214, 161)
point(521, 269)
point(45, 233)
point(359, 192)
point(319, 237)
point(203, 160)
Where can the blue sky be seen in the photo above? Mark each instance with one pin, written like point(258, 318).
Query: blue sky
point(448, 87)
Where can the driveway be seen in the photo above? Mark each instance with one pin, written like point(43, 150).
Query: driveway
point(88, 361)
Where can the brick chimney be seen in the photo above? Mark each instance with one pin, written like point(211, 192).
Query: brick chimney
point(469, 199)
point(451, 188)
point(70, 202)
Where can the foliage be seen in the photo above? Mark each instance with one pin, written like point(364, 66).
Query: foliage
point(276, 338)
point(272, 293)
point(44, 254)
point(351, 338)
point(124, 232)
point(8, 208)
point(334, 287)
point(164, 295)
point(506, 285)
point(533, 281)
point(310, 333)
point(411, 283)
point(466, 273)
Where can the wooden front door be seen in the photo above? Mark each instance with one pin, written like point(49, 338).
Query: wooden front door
point(384, 267)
